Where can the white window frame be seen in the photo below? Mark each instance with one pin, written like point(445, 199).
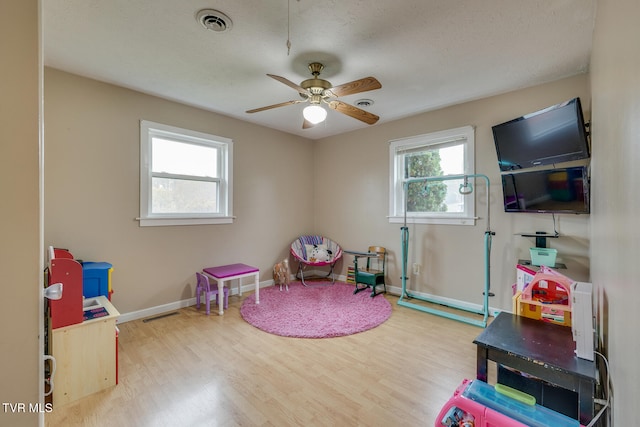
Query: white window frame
point(149, 130)
point(397, 148)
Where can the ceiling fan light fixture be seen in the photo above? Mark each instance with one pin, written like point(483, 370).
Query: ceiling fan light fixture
point(316, 91)
point(314, 114)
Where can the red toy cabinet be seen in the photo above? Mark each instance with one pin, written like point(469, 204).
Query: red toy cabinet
point(67, 310)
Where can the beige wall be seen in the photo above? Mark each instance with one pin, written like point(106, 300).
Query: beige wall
point(352, 193)
point(20, 213)
point(283, 186)
point(615, 248)
point(92, 191)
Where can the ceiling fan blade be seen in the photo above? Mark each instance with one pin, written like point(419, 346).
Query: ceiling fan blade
point(354, 112)
point(291, 84)
point(356, 86)
point(269, 107)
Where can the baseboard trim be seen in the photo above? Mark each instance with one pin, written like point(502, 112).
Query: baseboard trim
point(393, 290)
point(172, 306)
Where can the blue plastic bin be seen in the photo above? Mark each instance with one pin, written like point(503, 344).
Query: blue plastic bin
point(95, 279)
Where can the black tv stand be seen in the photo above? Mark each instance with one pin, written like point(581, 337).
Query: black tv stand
point(528, 263)
point(541, 237)
point(541, 242)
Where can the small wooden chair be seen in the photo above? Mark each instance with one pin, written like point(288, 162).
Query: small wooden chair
point(372, 273)
point(204, 286)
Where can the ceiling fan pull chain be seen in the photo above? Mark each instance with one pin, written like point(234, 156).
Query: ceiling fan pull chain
point(288, 27)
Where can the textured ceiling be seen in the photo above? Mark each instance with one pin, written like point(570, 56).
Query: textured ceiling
point(427, 54)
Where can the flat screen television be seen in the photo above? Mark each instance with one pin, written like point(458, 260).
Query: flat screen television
point(563, 190)
point(553, 135)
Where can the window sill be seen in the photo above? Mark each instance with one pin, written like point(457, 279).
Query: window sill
point(433, 220)
point(158, 222)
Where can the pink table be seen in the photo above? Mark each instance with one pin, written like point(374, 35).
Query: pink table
point(225, 273)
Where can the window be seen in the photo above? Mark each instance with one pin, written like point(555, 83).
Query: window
point(185, 176)
point(437, 154)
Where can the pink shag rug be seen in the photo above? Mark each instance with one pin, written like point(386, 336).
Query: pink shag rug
point(315, 311)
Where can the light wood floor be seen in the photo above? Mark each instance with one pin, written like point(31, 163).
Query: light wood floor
point(191, 369)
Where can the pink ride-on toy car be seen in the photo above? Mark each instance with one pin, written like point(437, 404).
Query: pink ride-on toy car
point(478, 404)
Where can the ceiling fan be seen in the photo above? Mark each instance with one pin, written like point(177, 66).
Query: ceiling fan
point(317, 91)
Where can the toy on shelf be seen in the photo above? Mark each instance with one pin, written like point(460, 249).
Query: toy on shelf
point(96, 279)
point(547, 297)
point(524, 276)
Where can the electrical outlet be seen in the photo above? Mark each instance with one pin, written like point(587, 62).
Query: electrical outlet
point(416, 268)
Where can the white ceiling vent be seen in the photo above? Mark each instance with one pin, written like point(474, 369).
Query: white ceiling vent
point(364, 103)
point(214, 20)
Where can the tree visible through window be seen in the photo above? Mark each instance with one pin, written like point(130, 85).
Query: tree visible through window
point(425, 197)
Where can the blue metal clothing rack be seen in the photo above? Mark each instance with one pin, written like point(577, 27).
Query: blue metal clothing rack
point(465, 188)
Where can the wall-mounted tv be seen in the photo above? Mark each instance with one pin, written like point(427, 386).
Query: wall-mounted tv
point(563, 190)
point(553, 135)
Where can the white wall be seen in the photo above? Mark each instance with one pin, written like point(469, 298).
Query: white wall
point(615, 241)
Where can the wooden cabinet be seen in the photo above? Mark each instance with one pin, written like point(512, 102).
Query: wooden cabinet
point(85, 354)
